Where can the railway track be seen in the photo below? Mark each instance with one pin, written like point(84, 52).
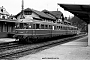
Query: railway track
point(6, 43)
point(33, 48)
point(8, 46)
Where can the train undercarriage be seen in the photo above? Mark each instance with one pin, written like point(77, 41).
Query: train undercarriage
point(40, 38)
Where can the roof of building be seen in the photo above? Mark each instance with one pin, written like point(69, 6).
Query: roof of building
point(41, 14)
point(57, 14)
point(3, 11)
point(8, 20)
point(49, 14)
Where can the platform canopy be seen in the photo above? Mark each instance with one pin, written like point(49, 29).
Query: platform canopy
point(81, 11)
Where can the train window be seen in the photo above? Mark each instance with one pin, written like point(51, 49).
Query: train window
point(26, 26)
point(73, 28)
point(50, 26)
point(17, 25)
point(61, 27)
point(70, 28)
point(33, 26)
point(77, 28)
point(21, 25)
point(46, 26)
point(67, 28)
point(42, 26)
point(57, 27)
point(64, 28)
point(37, 26)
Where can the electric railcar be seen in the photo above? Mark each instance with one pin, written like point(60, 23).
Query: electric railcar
point(32, 30)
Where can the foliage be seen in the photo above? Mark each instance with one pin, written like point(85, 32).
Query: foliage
point(79, 23)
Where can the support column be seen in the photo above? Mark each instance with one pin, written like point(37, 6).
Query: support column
point(88, 34)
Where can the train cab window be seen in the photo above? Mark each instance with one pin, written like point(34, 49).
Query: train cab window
point(22, 26)
point(37, 26)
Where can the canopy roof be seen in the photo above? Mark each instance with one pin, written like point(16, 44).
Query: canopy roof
point(81, 11)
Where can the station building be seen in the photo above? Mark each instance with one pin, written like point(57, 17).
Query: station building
point(6, 23)
point(58, 15)
point(54, 14)
point(34, 14)
point(45, 16)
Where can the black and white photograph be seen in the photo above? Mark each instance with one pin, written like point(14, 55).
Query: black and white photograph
point(44, 29)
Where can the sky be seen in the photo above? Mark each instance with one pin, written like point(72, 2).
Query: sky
point(14, 6)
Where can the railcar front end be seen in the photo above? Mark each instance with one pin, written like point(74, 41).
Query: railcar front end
point(27, 32)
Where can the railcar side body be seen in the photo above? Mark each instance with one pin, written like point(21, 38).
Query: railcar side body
point(32, 30)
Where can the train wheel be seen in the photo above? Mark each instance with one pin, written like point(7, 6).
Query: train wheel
point(20, 40)
point(28, 40)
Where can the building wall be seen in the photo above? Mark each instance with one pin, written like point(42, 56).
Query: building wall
point(6, 28)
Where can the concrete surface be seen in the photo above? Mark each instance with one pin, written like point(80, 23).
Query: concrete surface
point(65, 51)
point(2, 40)
point(61, 53)
point(78, 42)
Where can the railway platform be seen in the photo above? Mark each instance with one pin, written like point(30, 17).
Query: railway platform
point(67, 51)
point(78, 42)
point(4, 40)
